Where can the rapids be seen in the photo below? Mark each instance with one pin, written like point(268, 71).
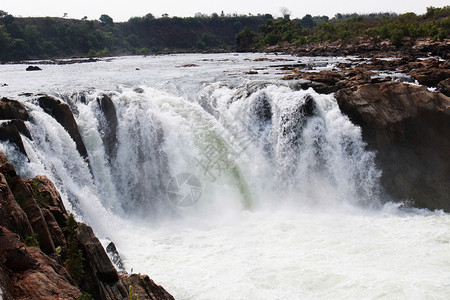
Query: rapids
point(221, 184)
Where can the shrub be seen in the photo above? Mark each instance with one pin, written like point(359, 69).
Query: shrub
point(32, 240)
point(74, 260)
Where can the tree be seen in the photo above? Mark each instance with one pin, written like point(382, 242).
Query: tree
point(3, 13)
point(285, 12)
point(106, 20)
point(245, 40)
point(307, 21)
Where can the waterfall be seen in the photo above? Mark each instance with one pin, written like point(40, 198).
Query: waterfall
point(225, 185)
point(252, 144)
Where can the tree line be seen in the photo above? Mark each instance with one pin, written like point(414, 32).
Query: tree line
point(348, 28)
point(49, 37)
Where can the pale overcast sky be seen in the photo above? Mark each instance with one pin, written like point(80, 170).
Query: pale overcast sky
point(123, 10)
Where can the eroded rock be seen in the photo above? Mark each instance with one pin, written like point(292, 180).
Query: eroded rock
point(61, 112)
point(409, 128)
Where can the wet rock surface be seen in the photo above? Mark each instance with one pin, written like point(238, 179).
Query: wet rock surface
point(409, 128)
point(62, 113)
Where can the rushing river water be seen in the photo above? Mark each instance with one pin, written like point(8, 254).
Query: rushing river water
point(222, 183)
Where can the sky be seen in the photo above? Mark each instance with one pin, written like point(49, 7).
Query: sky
point(121, 10)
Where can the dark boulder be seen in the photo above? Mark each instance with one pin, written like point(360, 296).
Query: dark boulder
point(11, 134)
point(12, 109)
point(33, 68)
point(115, 256)
point(62, 113)
point(109, 132)
point(20, 125)
point(444, 87)
point(409, 128)
point(10, 131)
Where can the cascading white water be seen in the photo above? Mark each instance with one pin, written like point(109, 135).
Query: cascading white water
point(290, 203)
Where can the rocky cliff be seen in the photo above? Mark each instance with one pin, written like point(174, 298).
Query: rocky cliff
point(46, 254)
point(403, 108)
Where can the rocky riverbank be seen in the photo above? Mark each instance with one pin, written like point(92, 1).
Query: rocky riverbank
point(44, 252)
point(367, 47)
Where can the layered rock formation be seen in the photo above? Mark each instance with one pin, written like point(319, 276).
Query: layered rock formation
point(409, 128)
point(407, 125)
point(36, 246)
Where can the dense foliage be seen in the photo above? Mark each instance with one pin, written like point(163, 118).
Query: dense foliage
point(40, 38)
point(349, 28)
point(25, 38)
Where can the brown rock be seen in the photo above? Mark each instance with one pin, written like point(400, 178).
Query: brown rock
point(11, 214)
point(145, 288)
point(34, 213)
point(12, 109)
point(101, 279)
point(432, 72)
point(409, 127)
point(27, 272)
point(62, 113)
point(444, 87)
point(32, 274)
point(51, 199)
point(13, 252)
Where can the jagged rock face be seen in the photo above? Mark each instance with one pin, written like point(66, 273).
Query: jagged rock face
point(32, 274)
point(444, 87)
point(409, 127)
point(11, 214)
point(16, 114)
point(34, 206)
point(101, 278)
point(145, 288)
point(61, 112)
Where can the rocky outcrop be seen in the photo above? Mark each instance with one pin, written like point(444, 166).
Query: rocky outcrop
point(109, 133)
point(61, 112)
point(30, 273)
point(10, 133)
point(13, 114)
point(145, 288)
point(101, 279)
point(430, 72)
point(12, 109)
point(36, 242)
point(409, 128)
point(368, 47)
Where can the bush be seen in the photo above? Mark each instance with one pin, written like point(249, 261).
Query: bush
point(32, 240)
point(397, 37)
